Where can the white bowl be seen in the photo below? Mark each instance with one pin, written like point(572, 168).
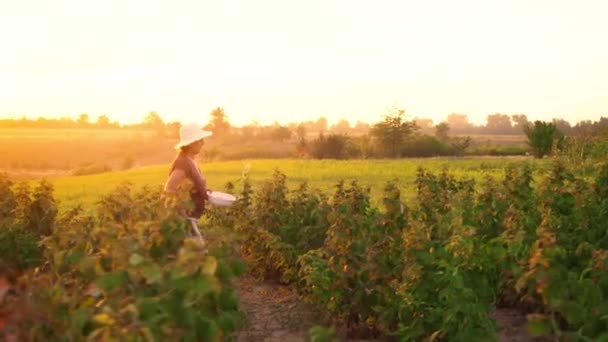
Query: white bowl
point(221, 199)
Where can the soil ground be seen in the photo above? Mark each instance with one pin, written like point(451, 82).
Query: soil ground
point(276, 314)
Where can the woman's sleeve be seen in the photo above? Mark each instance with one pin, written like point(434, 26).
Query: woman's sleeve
point(200, 184)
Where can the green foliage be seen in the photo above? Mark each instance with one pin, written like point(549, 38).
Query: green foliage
point(425, 146)
point(18, 249)
point(392, 133)
point(127, 274)
point(277, 225)
point(332, 146)
point(435, 269)
point(42, 209)
point(543, 138)
point(322, 334)
point(8, 203)
point(24, 218)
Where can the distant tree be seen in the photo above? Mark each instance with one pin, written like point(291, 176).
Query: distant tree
point(498, 124)
point(460, 144)
point(520, 120)
point(426, 125)
point(332, 146)
point(542, 137)
point(153, 121)
point(83, 120)
point(442, 131)
point(218, 123)
point(341, 127)
point(251, 130)
point(302, 147)
point(103, 121)
point(361, 127)
point(459, 123)
point(321, 125)
point(173, 130)
point(584, 128)
point(365, 146)
point(392, 132)
point(280, 133)
point(301, 132)
point(563, 125)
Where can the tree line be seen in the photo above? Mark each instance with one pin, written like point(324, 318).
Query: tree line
point(458, 124)
point(396, 136)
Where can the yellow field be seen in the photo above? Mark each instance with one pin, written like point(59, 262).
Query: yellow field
point(320, 174)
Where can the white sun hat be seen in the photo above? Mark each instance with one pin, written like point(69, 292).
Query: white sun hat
point(189, 133)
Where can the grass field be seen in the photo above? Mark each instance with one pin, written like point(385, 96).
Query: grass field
point(320, 174)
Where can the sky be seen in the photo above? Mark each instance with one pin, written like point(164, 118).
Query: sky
point(285, 60)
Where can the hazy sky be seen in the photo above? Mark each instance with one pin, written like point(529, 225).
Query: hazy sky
point(295, 60)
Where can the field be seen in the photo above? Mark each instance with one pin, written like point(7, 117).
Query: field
point(39, 152)
point(35, 153)
point(319, 174)
point(491, 249)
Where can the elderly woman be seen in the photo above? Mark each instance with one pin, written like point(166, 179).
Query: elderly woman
point(184, 168)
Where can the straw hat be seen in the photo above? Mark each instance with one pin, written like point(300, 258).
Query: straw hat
point(189, 133)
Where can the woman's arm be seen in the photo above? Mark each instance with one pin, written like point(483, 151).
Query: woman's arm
point(199, 182)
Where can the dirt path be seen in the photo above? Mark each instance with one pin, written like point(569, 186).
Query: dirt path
point(274, 313)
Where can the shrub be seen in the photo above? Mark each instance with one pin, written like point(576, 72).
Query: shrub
point(18, 249)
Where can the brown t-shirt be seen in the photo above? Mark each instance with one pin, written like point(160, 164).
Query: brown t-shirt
point(190, 171)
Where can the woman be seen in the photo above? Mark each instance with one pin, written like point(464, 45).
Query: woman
point(184, 168)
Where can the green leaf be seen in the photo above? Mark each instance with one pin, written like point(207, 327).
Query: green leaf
point(238, 267)
point(153, 273)
point(538, 325)
point(74, 257)
point(207, 329)
point(110, 281)
point(79, 319)
point(228, 299)
point(201, 285)
point(224, 273)
point(147, 308)
point(228, 321)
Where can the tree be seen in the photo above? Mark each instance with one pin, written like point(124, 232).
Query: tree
point(392, 132)
point(280, 133)
point(361, 127)
point(459, 123)
point(426, 125)
point(441, 131)
point(218, 124)
point(103, 121)
point(333, 146)
point(498, 124)
point(301, 132)
point(83, 120)
point(542, 137)
point(341, 127)
point(563, 125)
point(173, 129)
point(460, 144)
point(520, 120)
point(321, 124)
point(154, 121)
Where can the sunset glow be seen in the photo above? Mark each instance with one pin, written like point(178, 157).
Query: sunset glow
point(287, 61)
